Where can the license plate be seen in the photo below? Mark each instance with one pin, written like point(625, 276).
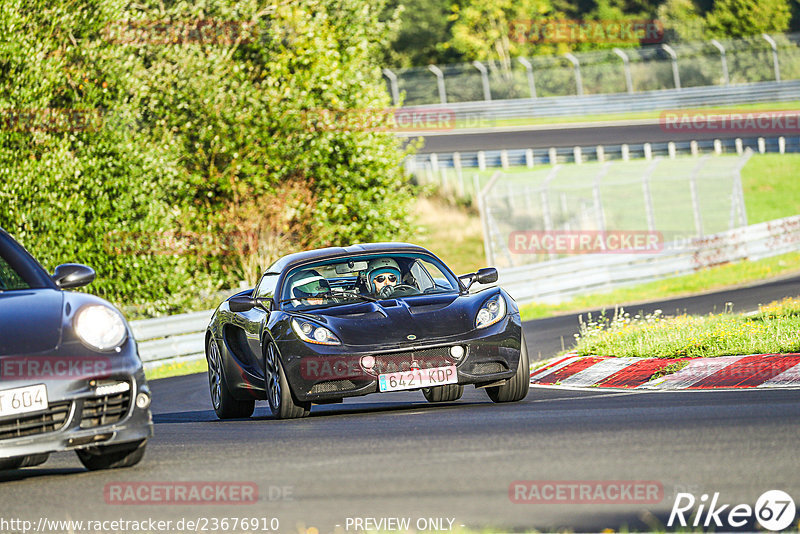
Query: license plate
point(23, 400)
point(418, 378)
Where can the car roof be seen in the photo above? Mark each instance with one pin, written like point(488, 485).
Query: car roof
point(298, 258)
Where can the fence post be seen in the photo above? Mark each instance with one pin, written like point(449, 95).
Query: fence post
point(648, 198)
point(724, 58)
point(775, 63)
point(626, 64)
point(529, 158)
point(698, 218)
point(601, 153)
point(393, 86)
point(598, 201)
point(483, 210)
point(577, 65)
point(553, 155)
point(671, 149)
point(487, 91)
point(675, 74)
point(440, 82)
point(529, 71)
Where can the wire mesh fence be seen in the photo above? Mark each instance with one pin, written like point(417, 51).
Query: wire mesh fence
point(616, 70)
point(618, 207)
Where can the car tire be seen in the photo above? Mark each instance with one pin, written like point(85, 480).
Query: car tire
point(517, 386)
point(282, 403)
point(18, 462)
point(225, 406)
point(112, 456)
point(446, 393)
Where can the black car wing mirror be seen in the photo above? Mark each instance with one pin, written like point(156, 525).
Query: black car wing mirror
point(71, 275)
point(487, 275)
point(245, 303)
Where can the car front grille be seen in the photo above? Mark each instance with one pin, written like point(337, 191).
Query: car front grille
point(402, 361)
point(105, 409)
point(54, 418)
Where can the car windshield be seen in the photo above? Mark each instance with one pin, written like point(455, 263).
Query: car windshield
point(17, 269)
point(366, 278)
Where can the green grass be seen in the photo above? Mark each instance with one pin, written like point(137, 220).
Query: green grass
point(772, 330)
point(639, 115)
point(177, 369)
point(771, 187)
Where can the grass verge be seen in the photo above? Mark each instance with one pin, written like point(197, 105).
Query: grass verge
point(772, 330)
point(177, 369)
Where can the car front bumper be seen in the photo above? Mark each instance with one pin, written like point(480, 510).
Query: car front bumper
point(491, 357)
point(80, 414)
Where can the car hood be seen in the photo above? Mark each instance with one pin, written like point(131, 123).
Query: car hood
point(393, 321)
point(30, 321)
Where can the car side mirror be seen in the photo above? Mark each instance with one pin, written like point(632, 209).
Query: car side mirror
point(244, 303)
point(487, 275)
point(71, 275)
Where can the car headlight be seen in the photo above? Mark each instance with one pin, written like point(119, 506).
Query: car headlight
point(100, 327)
point(492, 311)
point(313, 333)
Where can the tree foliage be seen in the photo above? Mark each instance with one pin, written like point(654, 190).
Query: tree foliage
point(208, 157)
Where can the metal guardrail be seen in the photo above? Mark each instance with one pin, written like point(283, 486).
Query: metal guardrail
point(556, 280)
point(173, 339)
point(530, 157)
point(665, 99)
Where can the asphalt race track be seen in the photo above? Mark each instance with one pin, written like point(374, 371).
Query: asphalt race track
point(395, 456)
point(565, 136)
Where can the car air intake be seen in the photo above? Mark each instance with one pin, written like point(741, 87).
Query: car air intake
point(488, 368)
point(32, 424)
point(108, 407)
point(332, 386)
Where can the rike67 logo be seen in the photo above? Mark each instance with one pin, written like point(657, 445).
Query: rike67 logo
point(774, 510)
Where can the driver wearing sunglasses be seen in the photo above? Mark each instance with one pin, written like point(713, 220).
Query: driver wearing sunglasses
point(383, 275)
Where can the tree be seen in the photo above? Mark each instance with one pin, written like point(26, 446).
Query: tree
point(740, 18)
point(682, 20)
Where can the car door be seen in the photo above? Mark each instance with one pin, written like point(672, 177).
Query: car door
point(256, 317)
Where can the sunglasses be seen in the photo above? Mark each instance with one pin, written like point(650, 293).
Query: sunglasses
point(382, 278)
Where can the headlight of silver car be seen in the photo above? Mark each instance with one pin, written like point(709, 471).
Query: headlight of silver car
point(492, 311)
point(313, 333)
point(100, 327)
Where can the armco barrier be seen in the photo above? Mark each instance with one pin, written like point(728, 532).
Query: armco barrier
point(561, 106)
point(177, 338)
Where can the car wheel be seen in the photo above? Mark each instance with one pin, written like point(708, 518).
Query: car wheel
point(18, 462)
point(281, 401)
point(223, 402)
point(517, 386)
point(112, 456)
point(446, 393)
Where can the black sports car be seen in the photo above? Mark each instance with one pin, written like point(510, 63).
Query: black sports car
point(326, 324)
point(70, 373)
